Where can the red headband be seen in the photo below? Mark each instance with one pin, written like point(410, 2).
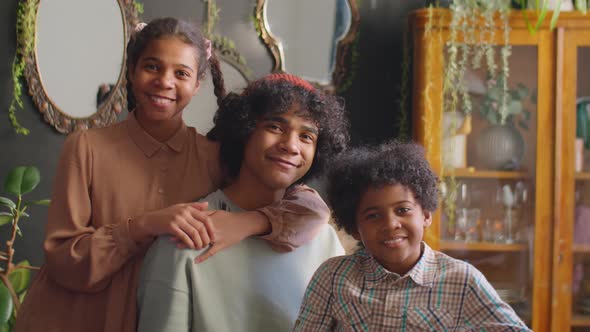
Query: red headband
point(295, 80)
point(289, 78)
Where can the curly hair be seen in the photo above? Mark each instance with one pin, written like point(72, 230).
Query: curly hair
point(189, 34)
point(361, 168)
point(238, 114)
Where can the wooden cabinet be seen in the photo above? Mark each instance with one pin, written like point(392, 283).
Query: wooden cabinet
point(524, 223)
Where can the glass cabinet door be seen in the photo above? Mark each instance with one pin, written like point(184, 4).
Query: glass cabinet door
point(493, 211)
point(572, 243)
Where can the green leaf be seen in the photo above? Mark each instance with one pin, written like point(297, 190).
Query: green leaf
point(8, 203)
point(556, 11)
point(522, 91)
point(19, 232)
point(527, 115)
point(583, 124)
point(19, 278)
point(44, 202)
point(22, 179)
point(6, 304)
point(5, 218)
point(581, 6)
point(515, 107)
point(21, 296)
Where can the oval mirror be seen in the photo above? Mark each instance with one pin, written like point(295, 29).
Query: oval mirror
point(200, 111)
point(76, 72)
point(309, 38)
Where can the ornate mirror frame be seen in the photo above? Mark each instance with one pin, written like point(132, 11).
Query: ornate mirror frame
point(274, 45)
point(107, 111)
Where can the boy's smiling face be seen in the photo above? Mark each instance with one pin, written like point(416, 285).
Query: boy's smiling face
point(280, 150)
point(390, 223)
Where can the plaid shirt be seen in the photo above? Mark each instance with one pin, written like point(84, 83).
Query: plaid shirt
point(440, 293)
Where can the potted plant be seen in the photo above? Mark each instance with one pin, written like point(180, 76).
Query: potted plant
point(15, 277)
point(501, 145)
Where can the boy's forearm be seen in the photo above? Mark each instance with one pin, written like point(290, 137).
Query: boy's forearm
point(296, 219)
point(256, 223)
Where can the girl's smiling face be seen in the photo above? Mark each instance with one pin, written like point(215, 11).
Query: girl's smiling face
point(164, 80)
point(390, 223)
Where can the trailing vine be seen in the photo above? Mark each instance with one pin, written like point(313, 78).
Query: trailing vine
point(138, 7)
point(465, 15)
point(469, 44)
point(428, 89)
point(220, 42)
point(25, 40)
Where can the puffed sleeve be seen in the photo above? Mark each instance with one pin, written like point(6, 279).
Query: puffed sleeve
point(296, 219)
point(79, 256)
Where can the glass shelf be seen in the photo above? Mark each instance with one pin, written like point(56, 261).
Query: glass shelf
point(580, 320)
point(581, 248)
point(471, 172)
point(583, 176)
point(482, 246)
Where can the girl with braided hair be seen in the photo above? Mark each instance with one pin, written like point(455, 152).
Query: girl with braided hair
point(117, 188)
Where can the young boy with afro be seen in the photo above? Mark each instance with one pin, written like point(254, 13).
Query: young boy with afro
point(385, 196)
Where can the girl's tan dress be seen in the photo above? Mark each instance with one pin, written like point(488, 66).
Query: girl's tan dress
point(105, 178)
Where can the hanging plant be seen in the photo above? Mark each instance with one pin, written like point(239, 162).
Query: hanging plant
point(25, 40)
point(477, 45)
point(470, 45)
point(220, 42)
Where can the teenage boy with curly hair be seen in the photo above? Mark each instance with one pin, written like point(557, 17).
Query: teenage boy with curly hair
point(278, 133)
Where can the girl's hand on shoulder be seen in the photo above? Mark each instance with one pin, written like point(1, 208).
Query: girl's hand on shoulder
point(231, 228)
point(187, 222)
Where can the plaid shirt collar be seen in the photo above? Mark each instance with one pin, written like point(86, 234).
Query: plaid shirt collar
point(375, 273)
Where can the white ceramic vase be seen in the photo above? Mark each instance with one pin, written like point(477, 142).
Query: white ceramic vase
point(456, 126)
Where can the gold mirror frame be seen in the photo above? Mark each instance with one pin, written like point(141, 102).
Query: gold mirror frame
point(108, 111)
point(274, 45)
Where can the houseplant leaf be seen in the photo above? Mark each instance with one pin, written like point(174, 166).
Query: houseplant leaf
point(5, 218)
point(555, 16)
point(514, 107)
point(582, 125)
point(6, 304)
point(22, 180)
point(44, 202)
point(7, 202)
point(19, 278)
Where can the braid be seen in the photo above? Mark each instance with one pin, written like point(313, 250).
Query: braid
point(217, 78)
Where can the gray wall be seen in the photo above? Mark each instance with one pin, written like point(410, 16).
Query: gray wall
point(371, 101)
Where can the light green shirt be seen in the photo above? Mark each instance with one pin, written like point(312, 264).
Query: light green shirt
point(247, 287)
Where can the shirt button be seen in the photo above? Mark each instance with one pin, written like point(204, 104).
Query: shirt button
point(161, 191)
